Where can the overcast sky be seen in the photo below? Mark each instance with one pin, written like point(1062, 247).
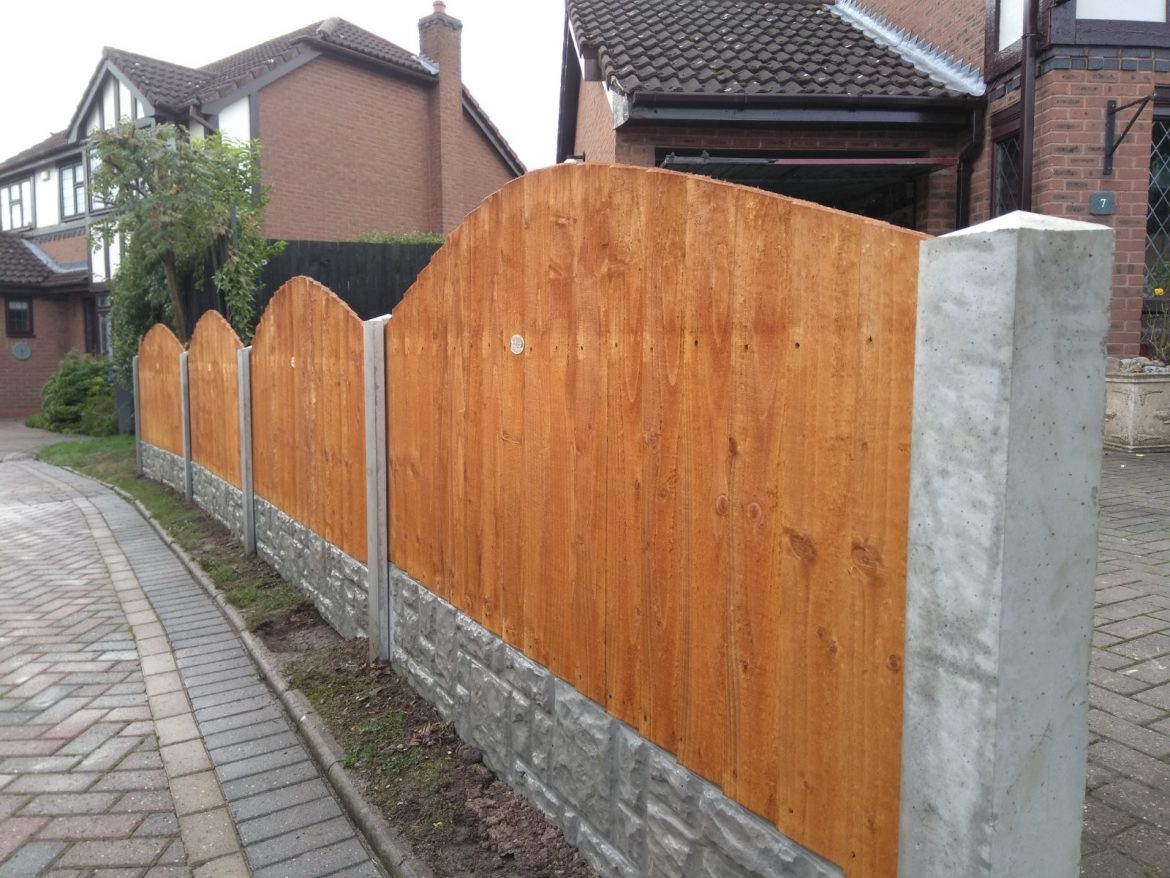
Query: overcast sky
point(511, 53)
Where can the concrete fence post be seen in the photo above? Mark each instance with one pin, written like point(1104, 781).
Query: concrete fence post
point(379, 626)
point(137, 418)
point(1005, 466)
point(185, 409)
point(248, 516)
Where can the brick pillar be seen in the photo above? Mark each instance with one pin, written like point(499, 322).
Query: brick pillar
point(1070, 150)
point(439, 40)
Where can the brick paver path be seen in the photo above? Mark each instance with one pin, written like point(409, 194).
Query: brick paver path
point(1127, 807)
point(136, 738)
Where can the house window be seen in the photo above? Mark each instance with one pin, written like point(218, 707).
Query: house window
point(1010, 22)
point(16, 204)
point(18, 319)
point(1005, 175)
point(96, 202)
point(1122, 10)
point(72, 190)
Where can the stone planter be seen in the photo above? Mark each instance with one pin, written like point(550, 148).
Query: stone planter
point(1137, 412)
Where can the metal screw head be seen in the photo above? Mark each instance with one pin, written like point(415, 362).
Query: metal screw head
point(517, 344)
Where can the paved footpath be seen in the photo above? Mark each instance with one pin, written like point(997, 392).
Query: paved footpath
point(136, 736)
point(1127, 807)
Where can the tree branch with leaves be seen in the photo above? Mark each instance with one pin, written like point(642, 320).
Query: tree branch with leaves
point(185, 211)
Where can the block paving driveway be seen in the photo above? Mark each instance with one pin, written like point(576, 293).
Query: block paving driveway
point(1127, 806)
point(137, 739)
point(136, 735)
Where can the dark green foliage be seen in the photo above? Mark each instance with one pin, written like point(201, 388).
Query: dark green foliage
point(78, 398)
point(400, 238)
point(187, 214)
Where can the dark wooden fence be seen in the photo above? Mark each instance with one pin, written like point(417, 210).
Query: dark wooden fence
point(370, 278)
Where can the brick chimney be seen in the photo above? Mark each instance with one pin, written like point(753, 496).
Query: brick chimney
point(439, 37)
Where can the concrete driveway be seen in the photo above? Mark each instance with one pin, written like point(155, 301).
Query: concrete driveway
point(18, 441)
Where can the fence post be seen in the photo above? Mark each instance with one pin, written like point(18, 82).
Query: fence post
point(137, 418)
point(1005, 465)
point(185, 409)
point(380, 625)
point(244, 383)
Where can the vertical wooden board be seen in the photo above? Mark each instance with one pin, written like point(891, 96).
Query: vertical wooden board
point(880, 507)
point(437, 450)
point(762, 345)
point(355, 459)
point(702, 566)
point(479, 587)
point(454, 428)
point(401, 433)
point(539, 559)
point(617, 198)
point(582, 623)
point(831, 741)
point(406, 379)
point(666, 457)
point(508, 507)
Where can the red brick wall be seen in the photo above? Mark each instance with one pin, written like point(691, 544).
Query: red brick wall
point(936, 210)
point(1068, 168)
point(484, 170)
point(66, 250)
point(59, 326)
point(595, 134)
point(956, 26)
point(345, 152)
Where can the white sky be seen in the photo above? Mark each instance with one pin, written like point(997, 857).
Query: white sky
point(511, 53)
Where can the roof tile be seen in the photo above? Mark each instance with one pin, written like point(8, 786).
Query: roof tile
point(768, 47)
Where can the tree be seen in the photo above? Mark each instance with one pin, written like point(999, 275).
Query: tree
point(188, 212)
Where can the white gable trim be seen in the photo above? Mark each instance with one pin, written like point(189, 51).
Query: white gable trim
point(93, 95)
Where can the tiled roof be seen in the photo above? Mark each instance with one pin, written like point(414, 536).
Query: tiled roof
point(227, 73)
point(22, 265)
point(163, 84)
point(19, 266)
point(49, 144)
point(741, 47)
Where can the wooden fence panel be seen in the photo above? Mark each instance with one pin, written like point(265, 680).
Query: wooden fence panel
point(159, 390)
point(308, 413)
point(214, 393)
point(654, 431)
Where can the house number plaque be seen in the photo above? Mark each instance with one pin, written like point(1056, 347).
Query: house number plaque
point(1102, 204)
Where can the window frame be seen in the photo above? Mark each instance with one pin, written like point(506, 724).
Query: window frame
point(1005, 125)
point(81, 205)
point(18, 333)
point(27, 212)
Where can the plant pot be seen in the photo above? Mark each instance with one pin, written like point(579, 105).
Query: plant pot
point(1137, 411)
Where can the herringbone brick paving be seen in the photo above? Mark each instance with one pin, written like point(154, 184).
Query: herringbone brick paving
point(136, 736)
point(1127, 805)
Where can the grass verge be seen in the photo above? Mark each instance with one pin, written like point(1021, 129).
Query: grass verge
point(249, 584)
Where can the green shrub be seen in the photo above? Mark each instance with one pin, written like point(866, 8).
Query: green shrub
point(36, 420)
point(78, 398)
point(400, 238)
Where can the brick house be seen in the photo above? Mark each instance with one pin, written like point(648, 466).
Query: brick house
point(930, 116)
point(358, 135)
point(43, 302)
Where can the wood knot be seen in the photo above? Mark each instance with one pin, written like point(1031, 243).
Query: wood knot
point(894, 663)
point(801, 546)
point(866, 558)
point(721, 505)
point(754, 512)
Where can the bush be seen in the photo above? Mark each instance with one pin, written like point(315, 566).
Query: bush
point(78, 398)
